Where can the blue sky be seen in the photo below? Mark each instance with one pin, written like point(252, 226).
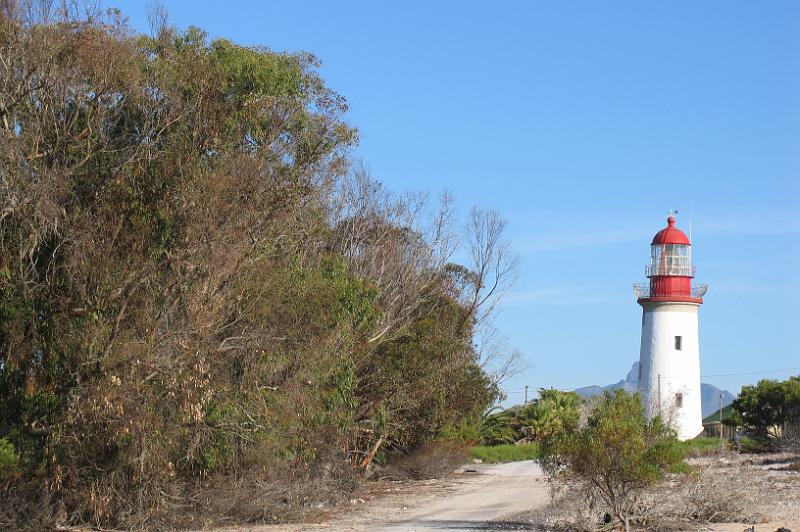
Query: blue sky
point(583, 123)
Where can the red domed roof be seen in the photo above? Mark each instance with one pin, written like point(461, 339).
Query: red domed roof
point(670, 234)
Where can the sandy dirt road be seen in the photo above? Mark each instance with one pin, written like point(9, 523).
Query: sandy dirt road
point(497, 491)
point(472, 501)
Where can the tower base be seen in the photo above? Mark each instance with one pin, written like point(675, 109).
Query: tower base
point(669, 365)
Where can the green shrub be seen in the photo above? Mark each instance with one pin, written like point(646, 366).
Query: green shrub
point(8, 459)
point(495, 454)
point(703, 446)
point(679, 468)
point(749, 445)
point(616, 456)
point(467, 430)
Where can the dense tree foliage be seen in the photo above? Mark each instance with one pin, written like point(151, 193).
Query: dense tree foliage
point(203, 306)
point(768, 410)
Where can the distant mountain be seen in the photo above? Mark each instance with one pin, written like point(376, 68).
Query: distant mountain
point(709, 394)
point(709, 398)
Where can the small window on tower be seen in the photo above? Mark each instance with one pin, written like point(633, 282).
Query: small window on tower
point(678, 399)
point(679, 343)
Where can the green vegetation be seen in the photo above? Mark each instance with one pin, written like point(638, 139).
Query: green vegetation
point(703, 446)
point(727, 413)
point(554, 412)
point(749, 445)
point(616, 455)
point(494, 454)
point(8, 459)
point(768, 410)
point(205, 306)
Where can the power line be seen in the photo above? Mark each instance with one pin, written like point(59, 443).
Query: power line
point(522, 390)
point(751, 372)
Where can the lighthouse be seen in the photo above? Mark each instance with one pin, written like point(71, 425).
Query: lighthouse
point(669, 355)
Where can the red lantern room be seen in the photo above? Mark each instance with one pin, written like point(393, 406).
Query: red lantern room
point(670, 270)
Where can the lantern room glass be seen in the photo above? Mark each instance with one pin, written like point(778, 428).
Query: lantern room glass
point(671, 259)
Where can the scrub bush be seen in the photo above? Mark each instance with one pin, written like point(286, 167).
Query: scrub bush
point(616, 456)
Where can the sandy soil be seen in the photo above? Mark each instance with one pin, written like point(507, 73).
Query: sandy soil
point(742, 492)
point(516, 497)
point(463, 501)
point(768, 488)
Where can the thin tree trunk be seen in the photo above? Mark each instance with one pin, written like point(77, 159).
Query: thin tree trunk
point(367, 462)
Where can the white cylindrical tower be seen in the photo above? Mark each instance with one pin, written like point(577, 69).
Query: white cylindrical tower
point(669, 356)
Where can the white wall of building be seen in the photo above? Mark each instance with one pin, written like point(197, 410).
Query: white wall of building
point(679, 370)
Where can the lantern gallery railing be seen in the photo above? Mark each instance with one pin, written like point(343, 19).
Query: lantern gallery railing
point(699, 290)
point(669, 269)
point(642, 290)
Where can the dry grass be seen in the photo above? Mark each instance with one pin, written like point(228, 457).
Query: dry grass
point(723, 487)
point(430, 461)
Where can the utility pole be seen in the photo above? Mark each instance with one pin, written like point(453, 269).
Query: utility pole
point(720, 415)
point(526, 394)
point(660, 413)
